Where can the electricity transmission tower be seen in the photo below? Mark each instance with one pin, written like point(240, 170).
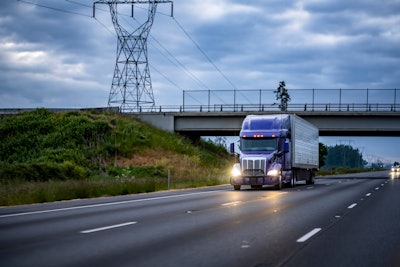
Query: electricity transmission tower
point(131, 87)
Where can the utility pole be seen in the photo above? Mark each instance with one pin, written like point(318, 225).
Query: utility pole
point(131, 88)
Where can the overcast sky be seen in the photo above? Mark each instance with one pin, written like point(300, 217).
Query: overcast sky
point(61, 57)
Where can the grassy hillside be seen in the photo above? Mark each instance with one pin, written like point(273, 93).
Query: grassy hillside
point(48, 156)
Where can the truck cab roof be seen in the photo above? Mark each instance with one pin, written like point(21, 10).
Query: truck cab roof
point(256, 125)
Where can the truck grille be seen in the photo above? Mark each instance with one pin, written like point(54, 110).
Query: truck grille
point(253, 167)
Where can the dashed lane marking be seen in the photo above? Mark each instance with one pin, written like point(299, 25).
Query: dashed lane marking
point(352, 206)
point(231, 203)
point(307, 236)
point(106, 227)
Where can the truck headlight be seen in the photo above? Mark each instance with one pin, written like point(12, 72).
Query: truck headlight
point(236, 170)
point(273, 172)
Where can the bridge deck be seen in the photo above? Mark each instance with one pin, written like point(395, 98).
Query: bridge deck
point(341, 123)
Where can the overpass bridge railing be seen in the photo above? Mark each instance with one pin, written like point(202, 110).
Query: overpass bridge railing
point(349, 107)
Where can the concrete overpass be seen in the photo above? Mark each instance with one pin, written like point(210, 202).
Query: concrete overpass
point(347, 120)
point(338, 123)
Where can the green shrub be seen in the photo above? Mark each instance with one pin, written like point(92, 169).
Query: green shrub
point(41, 171)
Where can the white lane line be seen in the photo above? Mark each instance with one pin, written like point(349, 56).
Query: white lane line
point(368, 194)
point(352, 206)
point(308, 235)
point(106, 227)
point(105, 204)
point(377, 188)
point(231, 203)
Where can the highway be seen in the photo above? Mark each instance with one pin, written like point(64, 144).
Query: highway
point(351, 220)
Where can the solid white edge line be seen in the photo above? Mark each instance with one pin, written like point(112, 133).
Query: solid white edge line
point(106, 227)
point(352, 206)
point(104, 204)
point(308, 235)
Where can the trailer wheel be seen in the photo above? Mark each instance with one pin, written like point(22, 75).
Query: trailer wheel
point(293, 182)
point(311, 180)
point(236, 187)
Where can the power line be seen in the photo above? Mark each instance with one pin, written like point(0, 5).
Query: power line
point(204, 54)
point(69, 12)
point(152, 66)
point(77, 3)
point(176, 21)
point(54, 8)
point(102, 24)
point(165, 77)
point(177, 63)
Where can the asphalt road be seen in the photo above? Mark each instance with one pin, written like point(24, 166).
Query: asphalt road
point(351, 220)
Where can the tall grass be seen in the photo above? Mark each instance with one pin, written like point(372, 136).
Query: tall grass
point(26, 192)
point(51, 157)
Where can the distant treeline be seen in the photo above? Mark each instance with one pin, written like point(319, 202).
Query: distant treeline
point(344, 155)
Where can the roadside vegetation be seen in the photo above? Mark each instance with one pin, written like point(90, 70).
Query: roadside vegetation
point(342, 159)
point(47, 156)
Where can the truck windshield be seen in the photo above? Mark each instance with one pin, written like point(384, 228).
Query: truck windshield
point(258, 144)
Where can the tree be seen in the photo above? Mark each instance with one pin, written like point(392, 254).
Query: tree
point(344, 155)
point(282, 94)
point(220, 141)
point(323, 152)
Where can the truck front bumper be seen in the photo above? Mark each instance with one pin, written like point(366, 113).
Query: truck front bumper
point(266, 180)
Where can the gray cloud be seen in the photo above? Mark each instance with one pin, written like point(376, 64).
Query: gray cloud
point(50, 54)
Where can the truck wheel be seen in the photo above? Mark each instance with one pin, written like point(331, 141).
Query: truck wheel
point(236, 187)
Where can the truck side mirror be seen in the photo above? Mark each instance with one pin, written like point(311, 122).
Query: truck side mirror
point(232, 148)
point(285, 147)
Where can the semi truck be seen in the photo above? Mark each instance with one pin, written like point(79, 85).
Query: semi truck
point(275, 150)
